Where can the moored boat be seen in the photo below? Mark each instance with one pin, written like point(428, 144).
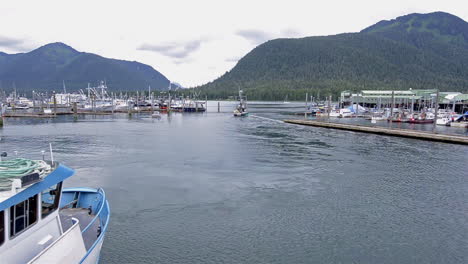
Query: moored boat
point(444, 121)
point(420, 121)
point(345, 112)
point(460, 121)
point(422, 118)
point(42, 223)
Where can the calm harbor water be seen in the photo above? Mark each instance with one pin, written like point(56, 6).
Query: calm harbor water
point(211, 188)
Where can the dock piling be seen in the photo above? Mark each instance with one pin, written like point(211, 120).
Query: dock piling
point(391, 110)
point(434, 124)
point(55, 104)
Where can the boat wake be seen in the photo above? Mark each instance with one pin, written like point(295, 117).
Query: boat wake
point(269, 119)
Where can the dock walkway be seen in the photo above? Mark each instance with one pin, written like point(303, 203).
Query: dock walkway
point(455, 139)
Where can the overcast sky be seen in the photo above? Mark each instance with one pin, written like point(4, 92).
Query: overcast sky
point(191, 42)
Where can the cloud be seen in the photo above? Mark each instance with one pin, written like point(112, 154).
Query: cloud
point(290, 33)
point(254, 36)
point(178, 61)
point(13, 44)
point(258, 36)
point(176, 50)
point(232, 59)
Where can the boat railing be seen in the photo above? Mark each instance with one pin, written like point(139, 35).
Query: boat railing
point(99, 211)
point(102, 215)
point(94, 225)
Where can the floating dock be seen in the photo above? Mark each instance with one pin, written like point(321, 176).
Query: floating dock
point(18, 114)
point(32, 115)
point(455, 139)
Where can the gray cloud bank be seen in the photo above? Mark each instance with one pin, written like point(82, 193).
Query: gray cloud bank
point(256, 36)
point(173, 49)
point(13, 44)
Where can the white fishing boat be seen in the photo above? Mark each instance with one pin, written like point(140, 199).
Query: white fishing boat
point(188, 105)
point(241, 108)
point(98, 99)
point(345, 112)
point(378, 118)
point(42, 223)
point(20, 103)
point(444, 120)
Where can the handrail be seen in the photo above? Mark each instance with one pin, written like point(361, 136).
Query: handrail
point(100, 191)
point(105, 204)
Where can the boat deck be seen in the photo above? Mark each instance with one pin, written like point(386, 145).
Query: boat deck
point(82, 214)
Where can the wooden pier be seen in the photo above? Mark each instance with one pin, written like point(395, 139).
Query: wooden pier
point(455, 139)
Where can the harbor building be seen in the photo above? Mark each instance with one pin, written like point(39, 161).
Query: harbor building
point(419, 98)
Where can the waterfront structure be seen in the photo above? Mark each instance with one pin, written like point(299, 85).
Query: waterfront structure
point(415, 99)
point(408, 133)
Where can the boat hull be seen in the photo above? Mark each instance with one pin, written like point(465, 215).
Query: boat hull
point(425, 121)
point(94, 256)
point(241, 114)
point(459, 124)
point(96, 200)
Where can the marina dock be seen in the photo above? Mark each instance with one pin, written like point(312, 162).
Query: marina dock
point(455, 139)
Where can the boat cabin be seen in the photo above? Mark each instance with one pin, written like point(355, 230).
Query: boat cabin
point(29, 215)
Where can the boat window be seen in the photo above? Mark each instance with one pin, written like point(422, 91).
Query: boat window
point(50, 199)
point(23, 215)
point(2, 227)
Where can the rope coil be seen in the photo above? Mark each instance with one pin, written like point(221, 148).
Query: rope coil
point(17, 168)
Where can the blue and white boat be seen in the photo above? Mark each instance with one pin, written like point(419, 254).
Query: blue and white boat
point(42, 223)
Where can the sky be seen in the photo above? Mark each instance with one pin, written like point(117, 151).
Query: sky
point(191, 42)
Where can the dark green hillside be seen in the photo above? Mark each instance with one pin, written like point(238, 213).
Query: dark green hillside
point(47, 67)
point(388, 55)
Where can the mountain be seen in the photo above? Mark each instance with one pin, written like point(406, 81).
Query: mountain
point(47, 67)
point(176, 86)
point(419, 51)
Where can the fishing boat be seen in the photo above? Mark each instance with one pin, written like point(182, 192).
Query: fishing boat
point(444, 121)
point(378, 118)
point(460, 121)
point(401, 118)
point(241, 108)
point(313, 109)
point(238, 113)
point(345, 112)
point(420, 121)
point(42, 223)
point(188, 105)
point(422, 118)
